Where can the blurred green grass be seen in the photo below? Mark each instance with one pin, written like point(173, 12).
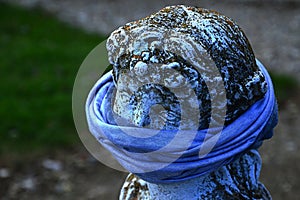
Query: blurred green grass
point(286, 87)
point(39, 59)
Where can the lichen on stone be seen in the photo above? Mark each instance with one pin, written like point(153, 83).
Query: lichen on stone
point(156, 58)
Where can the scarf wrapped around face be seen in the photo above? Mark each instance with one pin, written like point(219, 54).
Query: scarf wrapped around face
point(163, 156)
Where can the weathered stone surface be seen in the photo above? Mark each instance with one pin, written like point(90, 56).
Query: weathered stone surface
point(140, 50)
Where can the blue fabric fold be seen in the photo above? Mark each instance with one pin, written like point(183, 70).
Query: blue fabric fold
point(238, 180)
point(157, 158)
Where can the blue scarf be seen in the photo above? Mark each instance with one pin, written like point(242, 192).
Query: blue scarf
point(156, 158)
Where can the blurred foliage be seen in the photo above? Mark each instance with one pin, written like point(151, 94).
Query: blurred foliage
point(285, 87)
point(39, 59)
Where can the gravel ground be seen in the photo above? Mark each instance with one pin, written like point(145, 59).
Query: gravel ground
point(273, 28)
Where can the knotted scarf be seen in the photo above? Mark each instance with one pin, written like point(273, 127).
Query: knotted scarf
point(162, 156)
